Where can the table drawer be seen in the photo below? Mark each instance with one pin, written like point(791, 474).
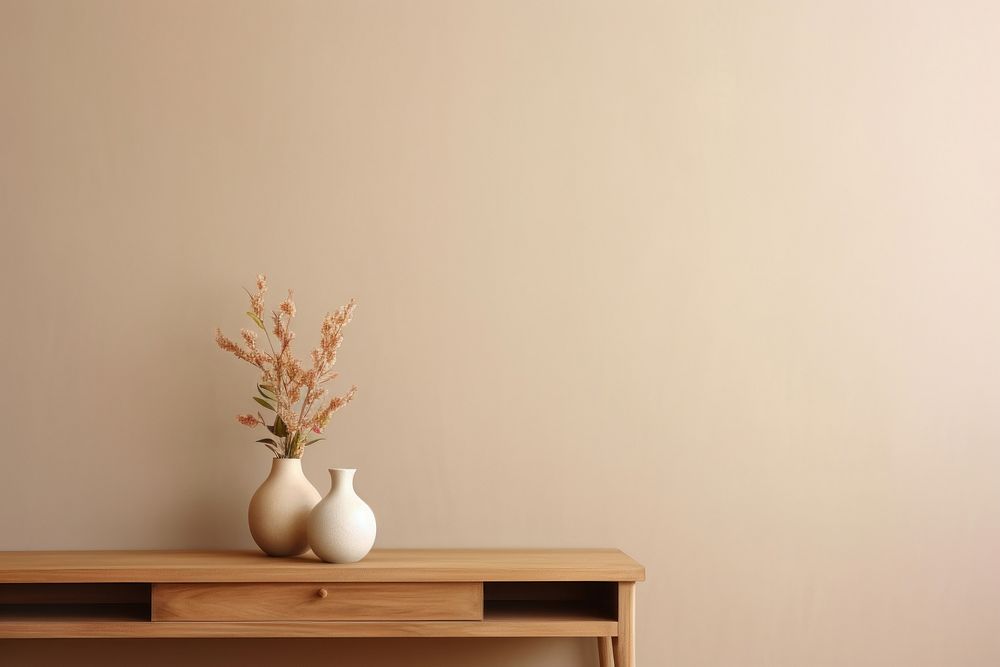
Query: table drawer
point(404, 601)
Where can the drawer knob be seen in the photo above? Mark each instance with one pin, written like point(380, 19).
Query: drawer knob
point(322, 592)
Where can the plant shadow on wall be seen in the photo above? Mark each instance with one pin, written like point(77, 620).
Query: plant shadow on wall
point(297, 408)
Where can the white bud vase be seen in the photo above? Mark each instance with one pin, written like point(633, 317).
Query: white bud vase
point(279, 510)
point(342, 526)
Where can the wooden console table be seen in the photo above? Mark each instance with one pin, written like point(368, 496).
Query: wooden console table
point(392, 593)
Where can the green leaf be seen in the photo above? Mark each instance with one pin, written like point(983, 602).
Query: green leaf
point(261, 401)
point(253, 316)
point(309, 442)
point(280, 429)
point(272, 445)
point(265, 392)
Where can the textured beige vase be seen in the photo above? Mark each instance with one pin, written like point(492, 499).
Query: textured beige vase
point(342, 526)
point(279, 510)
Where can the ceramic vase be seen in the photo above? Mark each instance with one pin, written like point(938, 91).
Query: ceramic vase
point(342, 526)
point(279, 510)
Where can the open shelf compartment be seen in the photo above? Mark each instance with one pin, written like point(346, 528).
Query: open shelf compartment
point(44, 603)
point(550, 600)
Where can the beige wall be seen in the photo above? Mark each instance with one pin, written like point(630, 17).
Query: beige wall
point(713, 283)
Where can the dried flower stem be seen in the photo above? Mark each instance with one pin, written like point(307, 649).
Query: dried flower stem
point(283, 377)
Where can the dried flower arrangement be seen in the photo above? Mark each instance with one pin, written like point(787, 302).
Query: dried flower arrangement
point(294, 393)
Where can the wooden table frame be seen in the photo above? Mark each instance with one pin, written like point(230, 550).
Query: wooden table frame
point(392, 593)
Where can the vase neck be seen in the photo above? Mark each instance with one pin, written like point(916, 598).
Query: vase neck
point(341, 479)
point(286, 467)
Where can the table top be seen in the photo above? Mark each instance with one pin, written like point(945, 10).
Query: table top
point(379, 565)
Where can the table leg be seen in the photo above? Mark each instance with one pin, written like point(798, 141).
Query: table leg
point(605, 652)
point(624, 643)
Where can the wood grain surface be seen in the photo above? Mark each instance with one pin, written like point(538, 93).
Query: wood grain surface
point(380, 565)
